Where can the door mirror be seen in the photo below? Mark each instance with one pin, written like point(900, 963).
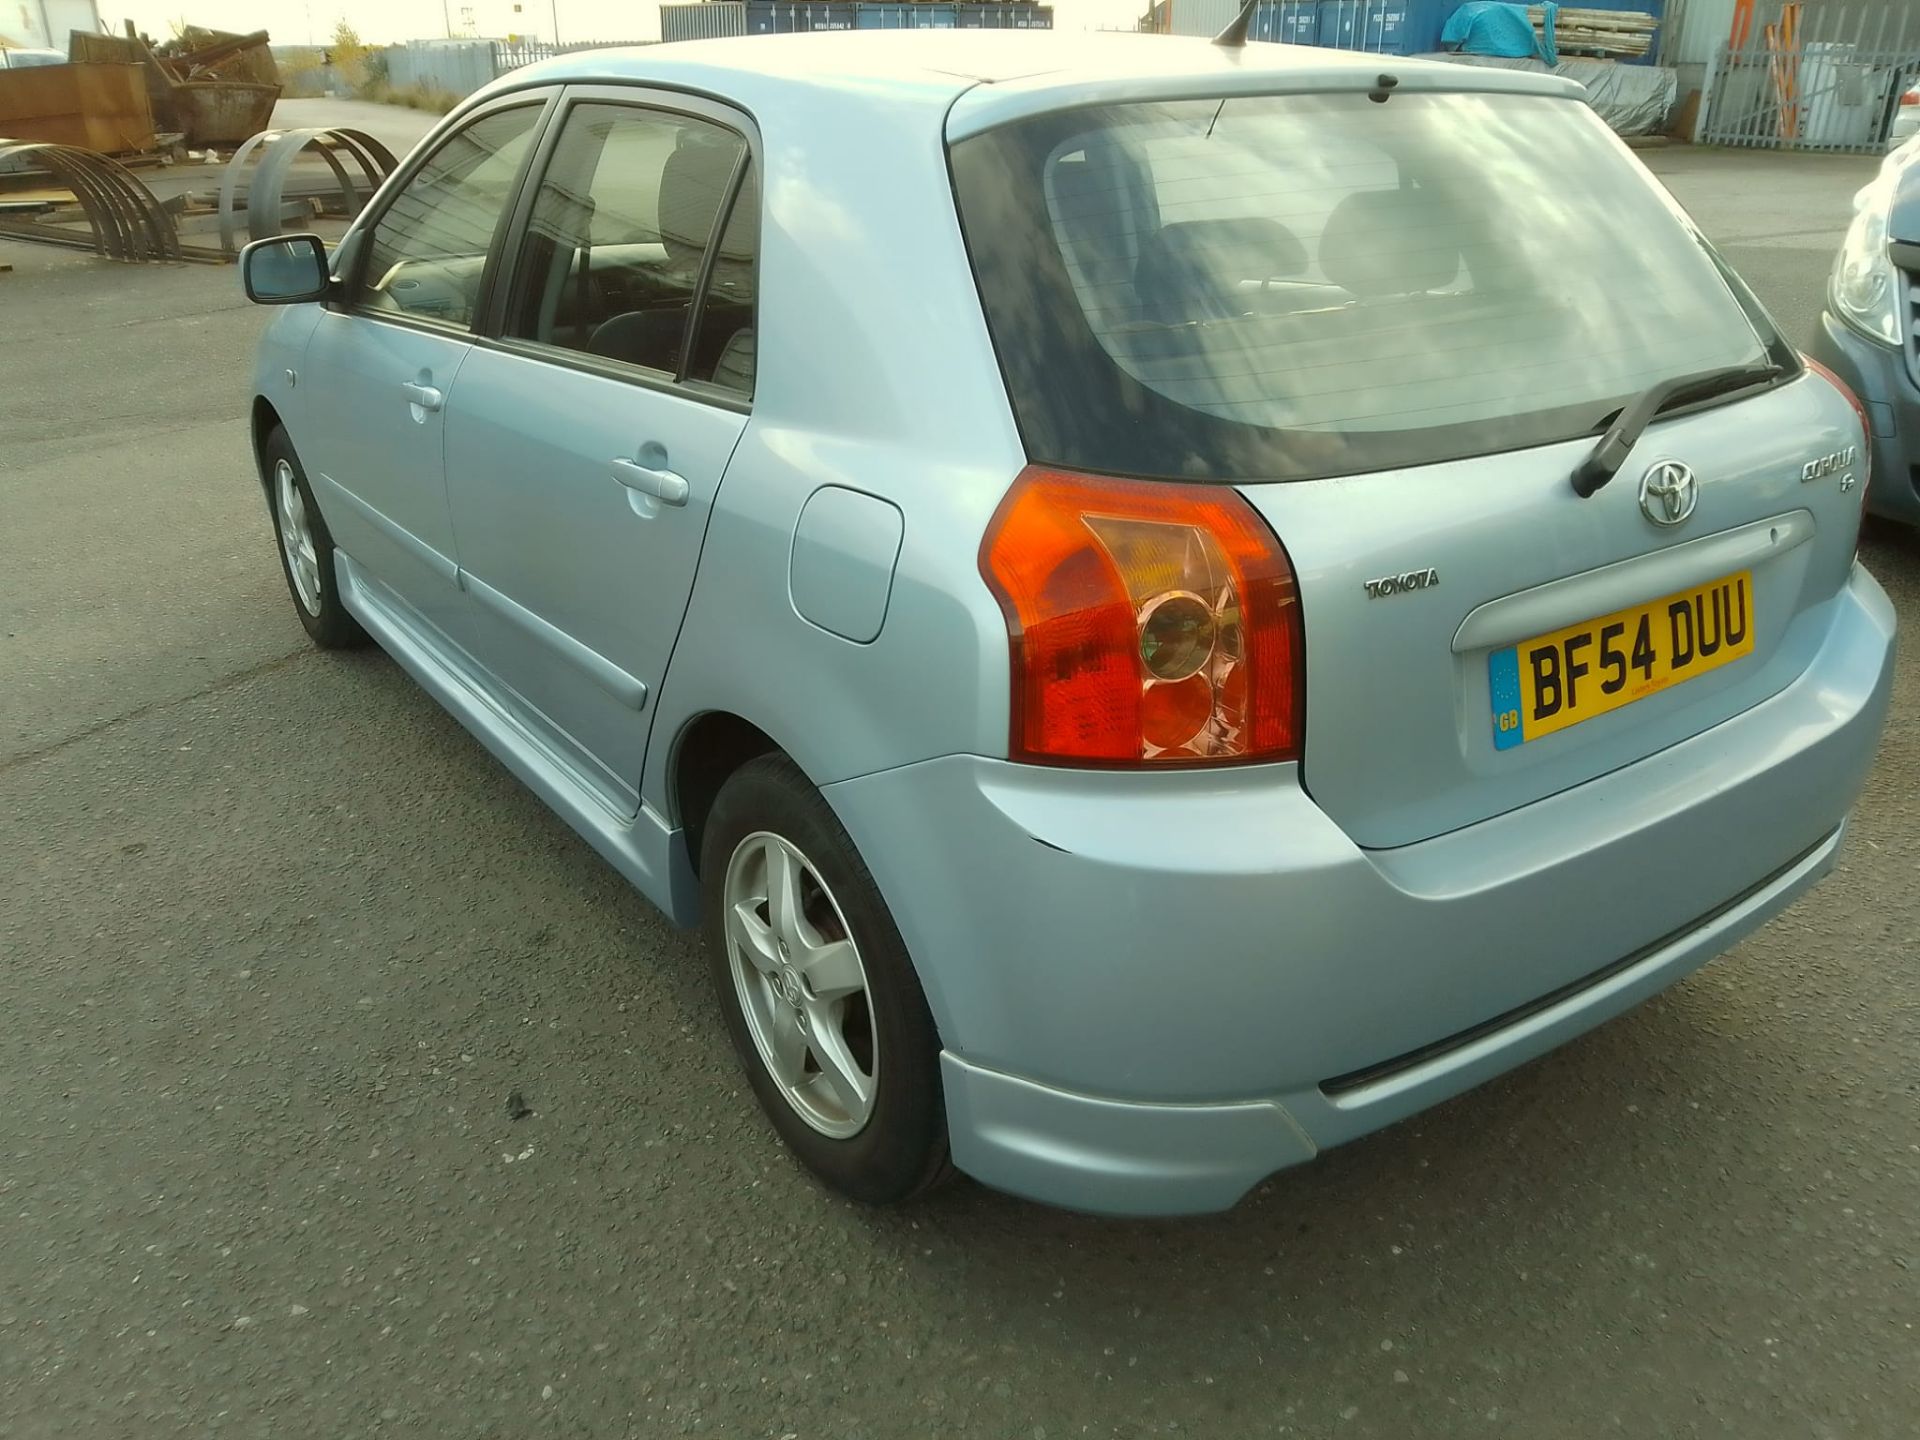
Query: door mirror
point(285, 270)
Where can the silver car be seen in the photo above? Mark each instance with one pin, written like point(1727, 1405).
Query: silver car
point(1869, 332)
point(1166, 605)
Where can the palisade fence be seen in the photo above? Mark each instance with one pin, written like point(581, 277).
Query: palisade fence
point(463, 66)
point(1829, 80)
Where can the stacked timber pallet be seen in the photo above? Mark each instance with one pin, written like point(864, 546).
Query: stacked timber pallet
point(1609, 34)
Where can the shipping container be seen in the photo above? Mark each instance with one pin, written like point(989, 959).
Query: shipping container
point(1285, 22)
point(1390, 27)
point(797, 19)
point(1385, 27)
point(711, 18)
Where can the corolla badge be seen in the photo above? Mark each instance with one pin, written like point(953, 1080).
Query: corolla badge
point(1840, 463)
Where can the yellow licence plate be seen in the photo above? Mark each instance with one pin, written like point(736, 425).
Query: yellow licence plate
point(1553, 681)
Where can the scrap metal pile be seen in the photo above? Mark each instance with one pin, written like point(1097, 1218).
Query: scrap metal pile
point(71, 197)
point(61, 127)
point(212, 88)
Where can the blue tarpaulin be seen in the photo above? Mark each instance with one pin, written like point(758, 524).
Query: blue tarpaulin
point(1488, 27)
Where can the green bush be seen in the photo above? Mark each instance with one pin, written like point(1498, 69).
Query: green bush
point(414, 97)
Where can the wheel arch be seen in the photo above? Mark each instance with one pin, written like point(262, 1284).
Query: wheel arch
point(707, 751)
point(264, 421)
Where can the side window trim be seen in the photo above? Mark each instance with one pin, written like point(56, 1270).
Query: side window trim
point(697, 303)
point(545, 98)
point(507, 266)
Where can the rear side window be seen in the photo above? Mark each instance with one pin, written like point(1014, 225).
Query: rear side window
point(620, 234)
point(1298, 286)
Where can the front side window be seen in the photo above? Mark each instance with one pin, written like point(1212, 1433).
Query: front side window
point(1294, 286)
point(426, 252)
point(618, 240)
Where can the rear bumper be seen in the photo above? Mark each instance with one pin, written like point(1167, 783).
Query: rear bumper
point(1116, 1157)
point(1878, 374)
point(1154, 990)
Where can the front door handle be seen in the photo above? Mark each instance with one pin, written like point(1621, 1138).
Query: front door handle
point(663, 485)
point(425, 396)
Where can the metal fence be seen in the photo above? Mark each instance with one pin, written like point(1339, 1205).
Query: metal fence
point(461, 67)
point(1831, 82)
point(512, 54)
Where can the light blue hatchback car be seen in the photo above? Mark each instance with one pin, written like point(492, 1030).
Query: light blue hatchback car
point(1166, 604)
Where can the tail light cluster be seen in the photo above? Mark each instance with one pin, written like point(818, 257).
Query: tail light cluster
point(1866, 435)
point(1150, 624)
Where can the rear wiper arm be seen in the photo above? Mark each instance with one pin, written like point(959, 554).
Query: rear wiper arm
point(1625, 431)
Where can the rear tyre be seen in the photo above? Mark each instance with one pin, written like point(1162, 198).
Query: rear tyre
point(306, 549)
point(819, 995)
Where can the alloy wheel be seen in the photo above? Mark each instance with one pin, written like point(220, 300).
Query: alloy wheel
point(296, 537)
point(801, 985)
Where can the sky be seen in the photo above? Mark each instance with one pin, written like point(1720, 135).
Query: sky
point(297, 22)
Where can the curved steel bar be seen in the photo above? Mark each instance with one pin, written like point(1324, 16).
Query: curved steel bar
point(146, 224)
point(272, 176)
point(145, 228)
point(283, 147)
point(229, 181)
point(375, 158)
point(128, 222)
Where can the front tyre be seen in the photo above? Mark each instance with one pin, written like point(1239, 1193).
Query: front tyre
point(306, 549)
point(819, 996)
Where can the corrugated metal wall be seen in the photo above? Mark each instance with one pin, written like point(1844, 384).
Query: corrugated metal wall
point(1201, 17)
point(706, 21)
point(1699, 28)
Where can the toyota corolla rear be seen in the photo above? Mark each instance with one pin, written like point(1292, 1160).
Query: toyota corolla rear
point(1432, 617)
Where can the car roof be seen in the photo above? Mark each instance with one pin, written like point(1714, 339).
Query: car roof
point(1006, 73)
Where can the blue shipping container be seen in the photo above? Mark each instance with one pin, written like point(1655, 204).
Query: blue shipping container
point(963, 16)
point(792, 19)
point(1379, 26)
point(788, 17)
point(1385, 27)
point(1287, 22)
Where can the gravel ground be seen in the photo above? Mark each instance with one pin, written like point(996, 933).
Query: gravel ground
point(280, 940)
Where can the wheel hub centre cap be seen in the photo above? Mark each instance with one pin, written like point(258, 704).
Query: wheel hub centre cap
point(789, 984)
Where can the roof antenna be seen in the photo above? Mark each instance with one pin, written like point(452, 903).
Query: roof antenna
point(1235, 35)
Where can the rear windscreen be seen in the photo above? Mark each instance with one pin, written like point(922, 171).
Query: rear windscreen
point(1298, 286)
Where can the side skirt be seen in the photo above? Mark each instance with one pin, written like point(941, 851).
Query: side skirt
point(641, 847)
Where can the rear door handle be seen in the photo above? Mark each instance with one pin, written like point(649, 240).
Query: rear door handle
point(425, 396)
point(663, 485)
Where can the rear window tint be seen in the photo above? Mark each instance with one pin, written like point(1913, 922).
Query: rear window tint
point(1285, 287)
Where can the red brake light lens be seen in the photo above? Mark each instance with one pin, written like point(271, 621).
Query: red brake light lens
point(1859, 410)
point(1149, 623)
point(1866, 434)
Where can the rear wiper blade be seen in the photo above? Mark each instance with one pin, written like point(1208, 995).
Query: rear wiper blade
point(1625, 431)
